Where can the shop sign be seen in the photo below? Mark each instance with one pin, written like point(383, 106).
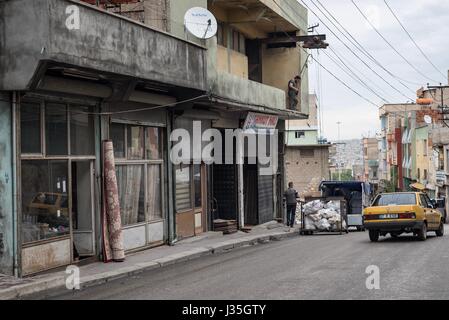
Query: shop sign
point(441, 178)
point(256, 121)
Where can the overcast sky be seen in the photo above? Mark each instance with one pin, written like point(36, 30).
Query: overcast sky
point(426, 20)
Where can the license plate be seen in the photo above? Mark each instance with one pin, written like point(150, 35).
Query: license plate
point(389, 216)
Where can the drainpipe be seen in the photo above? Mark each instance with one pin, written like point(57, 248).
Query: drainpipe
point(14, 184)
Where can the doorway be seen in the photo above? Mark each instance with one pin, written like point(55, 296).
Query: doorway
point(190, 200)
point(82, 183)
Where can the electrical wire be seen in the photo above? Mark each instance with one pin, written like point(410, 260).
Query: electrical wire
point(389, 43)
point(413, 40)
point(362, 49)
point(134, 110)
point(355, 69)
point(351, 74)
point(322, 66)
point(352, 51)
point(343, 83)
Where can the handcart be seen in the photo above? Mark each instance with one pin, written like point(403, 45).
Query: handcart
point(341, 228)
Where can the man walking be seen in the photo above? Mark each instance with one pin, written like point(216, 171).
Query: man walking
point(291, 196)
point(293, 92)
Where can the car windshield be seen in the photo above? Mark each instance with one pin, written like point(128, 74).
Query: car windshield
point(398, 199)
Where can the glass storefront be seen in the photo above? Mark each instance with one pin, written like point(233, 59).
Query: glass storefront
point(139, 168)
point(56, 170)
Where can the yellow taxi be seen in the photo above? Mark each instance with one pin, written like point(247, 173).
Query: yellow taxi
point(405, 212)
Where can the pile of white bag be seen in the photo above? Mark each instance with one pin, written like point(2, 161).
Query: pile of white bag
point(323, 216)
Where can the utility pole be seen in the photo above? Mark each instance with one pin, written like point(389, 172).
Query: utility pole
point(444, 109)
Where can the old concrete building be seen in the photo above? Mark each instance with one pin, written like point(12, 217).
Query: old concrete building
point(371, 160)
point(307, 166)
point(307, 160)
point(81, 75)
point(73, 78)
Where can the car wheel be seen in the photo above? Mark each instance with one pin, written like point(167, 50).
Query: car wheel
point(440, 231)
point(422, 233)
point(374, 235)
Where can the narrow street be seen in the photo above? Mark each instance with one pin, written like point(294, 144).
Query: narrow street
point(315, 267)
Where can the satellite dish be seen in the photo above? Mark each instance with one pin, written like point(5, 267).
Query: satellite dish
point(201, 23)
point(428, 119)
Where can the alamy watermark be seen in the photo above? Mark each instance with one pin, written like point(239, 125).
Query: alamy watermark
point(373, 280)
point(236, 146)
point(73, 20)
point(72, 279)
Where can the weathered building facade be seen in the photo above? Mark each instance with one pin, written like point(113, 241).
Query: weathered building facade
point(307, 159)
point(81, 75)
point(73, 78)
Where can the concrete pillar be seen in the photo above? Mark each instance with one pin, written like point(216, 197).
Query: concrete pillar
point(6, 187)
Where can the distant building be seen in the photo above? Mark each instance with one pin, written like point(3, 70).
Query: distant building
point(306, 156)
point(370, 160)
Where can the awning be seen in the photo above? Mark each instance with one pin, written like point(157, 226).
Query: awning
point(284, 114)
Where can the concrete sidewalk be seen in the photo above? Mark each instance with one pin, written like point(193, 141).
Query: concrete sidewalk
point(189, 249)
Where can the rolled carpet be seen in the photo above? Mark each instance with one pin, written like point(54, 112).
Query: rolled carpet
point(113, 246)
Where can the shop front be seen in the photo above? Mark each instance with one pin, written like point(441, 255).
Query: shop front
point(57, 182)
point(191, 178)
point(140, 160)
point(247, 192)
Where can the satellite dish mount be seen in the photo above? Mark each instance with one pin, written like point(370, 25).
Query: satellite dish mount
point(201, 23)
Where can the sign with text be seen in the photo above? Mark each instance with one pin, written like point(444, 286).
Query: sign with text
point(256, 121)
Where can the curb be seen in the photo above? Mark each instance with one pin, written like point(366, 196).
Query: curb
point(58, 282)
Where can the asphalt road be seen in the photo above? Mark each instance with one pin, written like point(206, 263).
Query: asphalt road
point(307, 267)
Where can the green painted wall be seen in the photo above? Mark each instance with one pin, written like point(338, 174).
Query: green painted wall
point(6, 188)
point(310, 138)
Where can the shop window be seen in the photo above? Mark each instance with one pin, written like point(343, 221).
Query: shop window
point(117, 135)
point(183, 188)
point(135, 143)
point(153, 144)
point(56, 129)
point(154, 198)
point(138, 150)
point(197, 185)
point(82, 142)
point(81, 196)
point(45, 211)
point(130, 180)
point(30, 124)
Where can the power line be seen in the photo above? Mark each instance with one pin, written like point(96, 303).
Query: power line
point(322, 66)
point(389, 43)
point(362, 49)
point(352, 51)
point(341, 57)
point(343, 83)
point(413, 40)
point(351, 74)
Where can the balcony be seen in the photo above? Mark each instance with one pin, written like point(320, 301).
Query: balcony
point(103, 42)
point(244, 66)
point(243, 91)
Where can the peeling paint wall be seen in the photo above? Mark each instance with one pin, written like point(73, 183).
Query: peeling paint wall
point(6, 195)
point(125, 47)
